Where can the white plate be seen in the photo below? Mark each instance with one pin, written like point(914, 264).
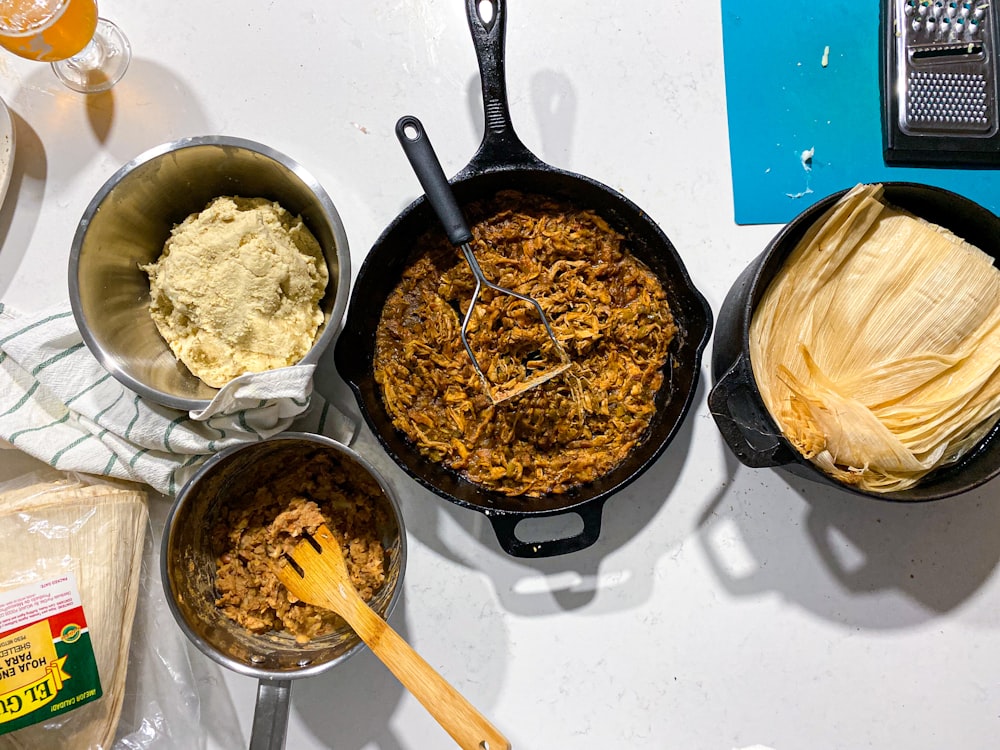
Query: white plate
point(6, 148)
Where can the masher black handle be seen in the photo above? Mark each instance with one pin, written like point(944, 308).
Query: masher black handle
point(418, 149)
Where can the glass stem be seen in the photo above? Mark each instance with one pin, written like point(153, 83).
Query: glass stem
point(89, 57)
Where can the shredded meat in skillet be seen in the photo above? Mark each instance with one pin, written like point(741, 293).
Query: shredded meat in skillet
point(606, 308)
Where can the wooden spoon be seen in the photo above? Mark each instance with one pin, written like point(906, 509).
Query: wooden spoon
point(325, 582)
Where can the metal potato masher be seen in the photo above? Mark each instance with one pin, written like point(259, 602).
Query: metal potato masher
point(424, 161)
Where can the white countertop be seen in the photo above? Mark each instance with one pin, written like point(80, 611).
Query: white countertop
point(722, 607)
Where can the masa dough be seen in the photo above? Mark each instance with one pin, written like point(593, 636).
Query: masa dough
point(237, 289)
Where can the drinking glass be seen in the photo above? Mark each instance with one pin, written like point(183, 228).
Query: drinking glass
point(88, 54)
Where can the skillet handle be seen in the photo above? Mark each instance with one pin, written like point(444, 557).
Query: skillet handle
point(505, 524)
point(742, 418)
point(500, 145)
point(418, 149)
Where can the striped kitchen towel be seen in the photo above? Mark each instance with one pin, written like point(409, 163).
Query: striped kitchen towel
point(58, 404)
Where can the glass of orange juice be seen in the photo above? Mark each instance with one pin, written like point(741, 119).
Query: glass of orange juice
point(88, 54)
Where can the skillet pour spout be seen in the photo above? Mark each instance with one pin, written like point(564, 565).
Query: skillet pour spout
point(503, 162)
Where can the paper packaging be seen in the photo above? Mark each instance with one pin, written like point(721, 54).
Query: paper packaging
point(47, 664)
point(69, 582)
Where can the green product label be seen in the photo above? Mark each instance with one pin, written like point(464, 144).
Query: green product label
point(47, 664)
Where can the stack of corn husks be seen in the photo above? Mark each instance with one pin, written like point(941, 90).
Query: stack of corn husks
point(59, 527)
point(876, 347)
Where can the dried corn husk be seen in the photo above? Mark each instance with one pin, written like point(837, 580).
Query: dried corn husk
point(96, 532)
point(876, 347)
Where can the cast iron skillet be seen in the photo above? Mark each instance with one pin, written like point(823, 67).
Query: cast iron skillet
point(503, 162)
point(735, 401)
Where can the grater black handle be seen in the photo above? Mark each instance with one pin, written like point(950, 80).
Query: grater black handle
point(418, 149)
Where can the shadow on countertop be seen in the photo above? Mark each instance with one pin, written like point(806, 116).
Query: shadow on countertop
point(572, 581)
point(352, 705)
point(851, 559)
point(149, 106)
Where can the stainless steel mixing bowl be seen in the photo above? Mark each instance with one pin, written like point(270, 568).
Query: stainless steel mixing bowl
point(129, 220)
point(188, 566)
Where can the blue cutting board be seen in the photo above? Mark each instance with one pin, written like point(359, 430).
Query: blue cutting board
point(782, 102)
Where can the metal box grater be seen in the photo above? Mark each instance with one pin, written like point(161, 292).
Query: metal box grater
point(940, 82)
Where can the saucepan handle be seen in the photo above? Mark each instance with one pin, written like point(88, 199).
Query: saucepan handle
point(270, 717)
point(418, 149)
point(505, 524)
point(746, 426)
point(500, 146)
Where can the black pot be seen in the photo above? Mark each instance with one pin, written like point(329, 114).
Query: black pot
point(735, 401)
point(503, 162)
